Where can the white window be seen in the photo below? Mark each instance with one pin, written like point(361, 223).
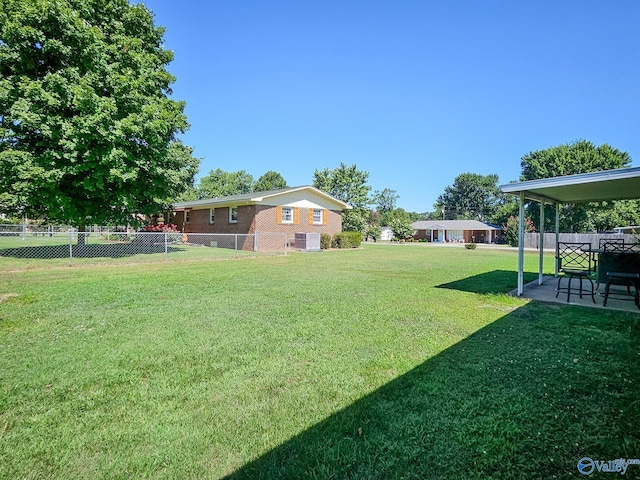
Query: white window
point(317, 216)
point(233, 214)
point(212, 215)
point(287, 214)
point(187, 216)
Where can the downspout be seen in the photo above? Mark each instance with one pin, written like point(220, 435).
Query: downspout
point(521, 245)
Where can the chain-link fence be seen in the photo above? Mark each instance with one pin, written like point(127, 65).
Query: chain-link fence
point(44, 228)
point(33, 249)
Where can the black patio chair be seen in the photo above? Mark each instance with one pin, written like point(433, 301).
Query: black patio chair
point(622, 268)
point(575, 260)
point(608, 245)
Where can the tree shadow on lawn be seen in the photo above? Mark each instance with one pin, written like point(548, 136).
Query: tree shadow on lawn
point(497, 281)
point(107, 250)
point(527, 396)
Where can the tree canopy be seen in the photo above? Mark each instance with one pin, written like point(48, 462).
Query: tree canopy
point(270, 180)
point(472, 196)
point(348, 184)
point(88, 132)
point(219, 183)
point(385, 200)
point(578, 157)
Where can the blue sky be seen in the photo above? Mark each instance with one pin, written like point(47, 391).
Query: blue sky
point(413, 92)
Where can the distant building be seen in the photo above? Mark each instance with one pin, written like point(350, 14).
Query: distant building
point(463, 231)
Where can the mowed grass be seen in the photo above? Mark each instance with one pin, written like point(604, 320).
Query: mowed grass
point(22, 252)
point(383, 362)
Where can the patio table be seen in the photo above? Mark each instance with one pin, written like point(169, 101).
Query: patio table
point(624, 262)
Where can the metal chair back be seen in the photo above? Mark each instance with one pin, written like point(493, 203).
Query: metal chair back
point(575, 257)
point(611, 244)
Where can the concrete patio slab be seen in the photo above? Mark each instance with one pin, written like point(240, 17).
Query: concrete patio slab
point(618, 300)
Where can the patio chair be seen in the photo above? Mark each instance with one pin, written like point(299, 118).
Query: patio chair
point(607, 245)
point(610, 243)
point(623, 268)
point(575, 260)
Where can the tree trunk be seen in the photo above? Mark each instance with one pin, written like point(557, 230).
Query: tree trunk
point(82, 226)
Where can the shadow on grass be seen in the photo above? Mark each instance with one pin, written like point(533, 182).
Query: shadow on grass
point(114, 250)
point(497, 281)
point(525, 397)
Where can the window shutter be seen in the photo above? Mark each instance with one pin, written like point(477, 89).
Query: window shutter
point(325, 217)
point(311, 216)
point(296, 216)
point(279, 215)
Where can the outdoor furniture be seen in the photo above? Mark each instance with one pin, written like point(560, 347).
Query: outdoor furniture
point(606, 245)
point(621, 278)
point(630, 254)
point(575, 260)
point(610, 243)
point(622, 267)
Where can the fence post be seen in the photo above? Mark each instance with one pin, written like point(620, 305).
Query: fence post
point(285, 243)
point(236, 239)
point(70, 248)
point(166, 248)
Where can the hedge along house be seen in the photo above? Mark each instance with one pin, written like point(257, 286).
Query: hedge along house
point(456, 231)
point(287, 211)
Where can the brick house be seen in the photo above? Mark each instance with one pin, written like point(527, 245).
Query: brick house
point(456, 231)
point(289, 211)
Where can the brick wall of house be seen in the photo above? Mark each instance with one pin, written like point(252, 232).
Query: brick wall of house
point(266, 221)
point(257, 218)
point(199, 221)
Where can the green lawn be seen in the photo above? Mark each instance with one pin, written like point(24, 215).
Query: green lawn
point(20, 252)
point(390, 361)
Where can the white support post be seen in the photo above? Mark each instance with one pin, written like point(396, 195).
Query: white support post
point(541, 244)
point(557, 262)
point(521, 245)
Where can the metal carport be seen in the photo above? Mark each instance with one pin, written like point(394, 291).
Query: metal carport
point(621, 184)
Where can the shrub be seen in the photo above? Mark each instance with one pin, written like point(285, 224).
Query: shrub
point(346, 240)
point(470, 246)
point(325, 241)
point(161, 227)
point(511, 229)
point(402, 229)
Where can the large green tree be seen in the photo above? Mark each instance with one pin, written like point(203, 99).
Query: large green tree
point(270, 180)
point(385, 200)
point(385, 203)
point(472, 196)
point(578, 157)
point(87, 128)
point(348, 184)
point(220, 183)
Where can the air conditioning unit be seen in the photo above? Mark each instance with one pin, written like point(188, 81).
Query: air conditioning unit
point(309, 242)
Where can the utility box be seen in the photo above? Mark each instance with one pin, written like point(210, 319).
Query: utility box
point(309, 242)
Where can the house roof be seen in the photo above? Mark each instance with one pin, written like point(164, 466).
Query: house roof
point(620, 184)
point(453, 225)
point(257, 197)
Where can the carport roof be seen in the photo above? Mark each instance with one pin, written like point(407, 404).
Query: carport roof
point(618, 184)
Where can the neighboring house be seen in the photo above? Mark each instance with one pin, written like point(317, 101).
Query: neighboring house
point(386, 233)
point(456, 231)
point(289, 211)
